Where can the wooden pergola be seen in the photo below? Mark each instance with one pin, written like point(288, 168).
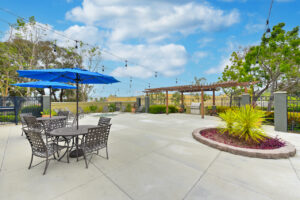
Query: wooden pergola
point(198, 88)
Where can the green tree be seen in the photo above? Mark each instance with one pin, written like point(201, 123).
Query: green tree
point(176, 98)
point(274, 63)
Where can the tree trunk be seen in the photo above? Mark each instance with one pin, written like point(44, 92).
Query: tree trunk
point(270, 103)
point(61, 95)
point(230, 99)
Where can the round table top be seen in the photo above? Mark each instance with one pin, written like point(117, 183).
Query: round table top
point(72, 131)
point(50, 118)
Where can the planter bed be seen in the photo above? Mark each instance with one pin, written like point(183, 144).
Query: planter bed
point(239, 148)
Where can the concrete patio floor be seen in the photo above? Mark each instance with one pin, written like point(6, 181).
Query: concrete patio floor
point(151, 157)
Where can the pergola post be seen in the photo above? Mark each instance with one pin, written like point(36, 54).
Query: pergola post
point(167, 102)
point(202, 104)
point(182, 100)
point(214, 101)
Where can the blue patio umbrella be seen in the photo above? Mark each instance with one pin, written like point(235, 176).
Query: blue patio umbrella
point(46, 84)
point(69, 75)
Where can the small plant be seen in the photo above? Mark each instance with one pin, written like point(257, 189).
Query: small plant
point(248, 121)
point(46, 112)
point(244, 123)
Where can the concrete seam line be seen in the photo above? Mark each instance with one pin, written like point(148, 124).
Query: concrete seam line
point(4, 153)
point(210, 164)
point(121, 189)
point(294, 169)
point(74, 188)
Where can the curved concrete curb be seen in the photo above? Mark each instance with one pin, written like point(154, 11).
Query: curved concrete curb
point(284, 152)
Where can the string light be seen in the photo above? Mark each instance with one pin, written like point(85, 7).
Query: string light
point(69, 38)
point(76, 46)
point(176, 81)
point(102, 68)
point(54, 47)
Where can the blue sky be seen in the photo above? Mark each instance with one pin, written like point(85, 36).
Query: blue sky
point(179, 39)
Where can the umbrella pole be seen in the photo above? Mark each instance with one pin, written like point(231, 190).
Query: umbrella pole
point(77, 102)
point(50, 101)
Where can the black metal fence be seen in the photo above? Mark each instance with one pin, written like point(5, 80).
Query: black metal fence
point(293, 113)
point(11, 107)
point(234, 102)
point(265, 103)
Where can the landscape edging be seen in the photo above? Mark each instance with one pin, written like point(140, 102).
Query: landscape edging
point(283, 152)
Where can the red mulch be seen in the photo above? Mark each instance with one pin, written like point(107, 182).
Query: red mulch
point(216, 135)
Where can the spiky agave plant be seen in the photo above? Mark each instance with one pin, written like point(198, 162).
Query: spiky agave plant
point(248, 121)
point(229, 117)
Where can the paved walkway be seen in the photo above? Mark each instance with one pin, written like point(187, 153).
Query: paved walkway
point(151, 157)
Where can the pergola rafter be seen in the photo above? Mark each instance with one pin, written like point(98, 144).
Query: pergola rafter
point(199, 88)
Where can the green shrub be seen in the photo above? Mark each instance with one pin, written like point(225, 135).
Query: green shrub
point(93, 108)
point(158, 109)
point(34, 109)
point(245, 123)
point(100, 109)
point(229, 118)
point(112, 107)
point(7, 118)
point(128, 108)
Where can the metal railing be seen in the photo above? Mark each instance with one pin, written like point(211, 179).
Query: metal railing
point(12, 106)
point(293, 113)
point(234, 102)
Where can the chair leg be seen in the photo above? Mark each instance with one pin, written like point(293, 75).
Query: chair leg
point(30, 161)
point(68, 152)
point(46, 166)
point(106, 153)
point(86, 164)
point(98, 152)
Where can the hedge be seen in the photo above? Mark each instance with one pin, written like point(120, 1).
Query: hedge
point(34, 109)
point(158, 109)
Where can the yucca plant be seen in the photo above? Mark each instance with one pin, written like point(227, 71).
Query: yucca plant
point(247, 125)
point(229, 117)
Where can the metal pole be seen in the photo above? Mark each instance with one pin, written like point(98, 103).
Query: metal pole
point(50, 100)
point(77, 91)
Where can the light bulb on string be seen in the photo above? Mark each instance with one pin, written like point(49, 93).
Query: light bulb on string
point(54, 47)
point(176, 81)
point(149, 85)
point(76, 46)
point(126, 64)
point(102, 68)
point(268, 33)
point(155, 75)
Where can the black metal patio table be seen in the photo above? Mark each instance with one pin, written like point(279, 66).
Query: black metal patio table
point(50, 118)
point(74, 132)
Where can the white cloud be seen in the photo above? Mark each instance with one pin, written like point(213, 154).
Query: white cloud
point(219, 69)
point(151, 20)
point(254, 28)
point(205, 41)
point(198, 55)
point(168, 60)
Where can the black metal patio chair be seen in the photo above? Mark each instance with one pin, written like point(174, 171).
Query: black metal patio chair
point(32, 123)
point(104, 120)
point(23, 122)
point(40, 148)
point(94, 140)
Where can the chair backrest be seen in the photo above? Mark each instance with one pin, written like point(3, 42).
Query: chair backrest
point(50, 125)
point(64, 113)
point(97, 136)
point(31, 122)
point(22, 117)
point(36, 141)
point(80, 110)
point(103, 120)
